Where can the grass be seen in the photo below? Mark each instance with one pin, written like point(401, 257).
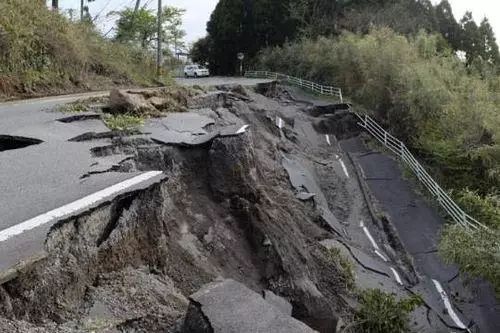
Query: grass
point(346, 268)
point(76, 107)
point(381, 312)
point(123, 122)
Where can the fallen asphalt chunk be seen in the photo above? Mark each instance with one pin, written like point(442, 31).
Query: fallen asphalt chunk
point(229, 306)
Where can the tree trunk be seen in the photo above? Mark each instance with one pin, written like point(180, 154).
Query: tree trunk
point(55, 4)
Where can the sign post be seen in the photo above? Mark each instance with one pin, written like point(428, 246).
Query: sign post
point(241, 56)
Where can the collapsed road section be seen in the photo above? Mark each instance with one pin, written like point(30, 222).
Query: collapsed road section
point(227, 210)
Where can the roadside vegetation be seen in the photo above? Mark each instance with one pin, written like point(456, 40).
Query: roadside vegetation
point(123, 122)
point(446, 110)
point(346, 269)
point(42, 52)
point(381, 312)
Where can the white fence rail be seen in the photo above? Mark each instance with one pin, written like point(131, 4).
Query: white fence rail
point(390, 142)
point(400, 149)
point(317, 88)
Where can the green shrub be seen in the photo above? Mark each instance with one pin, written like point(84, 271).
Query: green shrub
point(476, 252)
point(382, 313)
point(484, 209)
point(345, 267)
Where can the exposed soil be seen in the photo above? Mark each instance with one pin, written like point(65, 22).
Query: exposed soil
point(226, 209)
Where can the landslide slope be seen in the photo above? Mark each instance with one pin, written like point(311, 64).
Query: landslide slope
point(43, 53)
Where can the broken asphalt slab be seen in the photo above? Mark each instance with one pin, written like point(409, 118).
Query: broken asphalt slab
point(231, 307)
point(303, 180)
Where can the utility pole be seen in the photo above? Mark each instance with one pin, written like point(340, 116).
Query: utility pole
point(137, 5)
point(81, 10)
point(159, 55)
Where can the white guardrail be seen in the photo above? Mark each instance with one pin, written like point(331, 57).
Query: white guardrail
point(390, 142)
point(317, 88)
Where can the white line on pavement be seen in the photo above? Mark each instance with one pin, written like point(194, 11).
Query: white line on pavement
point(396, 275)
point(447, 304)
point(74, 206)
point(344, 168)
point(243, 129)
point(377, 252)
point(328, 139)
point(279, 122)
point(367, 232)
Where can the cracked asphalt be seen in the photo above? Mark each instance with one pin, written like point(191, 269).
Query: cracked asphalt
point(37, 179)
point(42, 177)
point(418, 225)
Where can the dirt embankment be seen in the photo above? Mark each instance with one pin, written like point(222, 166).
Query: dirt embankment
point(226, 210)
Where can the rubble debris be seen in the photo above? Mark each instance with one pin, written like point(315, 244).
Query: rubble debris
point(153, 103)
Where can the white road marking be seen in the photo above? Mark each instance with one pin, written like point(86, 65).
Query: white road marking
point(328, 139)
point(362, 171)
point(377, 252)
point(367, 232)
point(74, 206)
point(279, 122)
point(344, 168)
point(447, 305)
point(396, 275)
point(243, 129)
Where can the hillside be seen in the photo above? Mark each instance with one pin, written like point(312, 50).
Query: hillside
point(43, 53)
point(448, 112)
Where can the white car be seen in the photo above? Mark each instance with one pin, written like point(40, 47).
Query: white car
point(195, 71)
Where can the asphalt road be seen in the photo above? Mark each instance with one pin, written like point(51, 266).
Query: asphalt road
point(218, 80)
point(461, 303)
point(418, 226)
point(56, 178)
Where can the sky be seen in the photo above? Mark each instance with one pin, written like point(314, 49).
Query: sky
point(198, 12)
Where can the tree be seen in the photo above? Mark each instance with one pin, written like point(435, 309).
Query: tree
point(246, 26)
point(200, 51)
point(140, 26)
point(447, 24)
point(470, 39)
point(488, 44)
point(225, 29)
point(174, 34)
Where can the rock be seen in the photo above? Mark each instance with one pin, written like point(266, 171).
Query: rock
point(232, 167)
point(229, 306)
point(122, 101)
point(158, 102)
point(305, 196)
point(278, 302)
point(212, 100)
